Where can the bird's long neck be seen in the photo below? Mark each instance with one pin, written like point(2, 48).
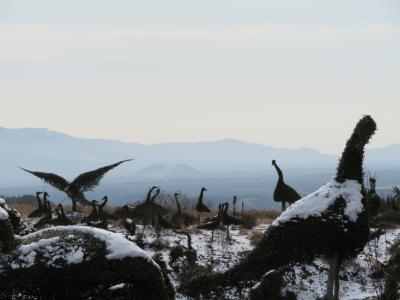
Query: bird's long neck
point(148, 198)
point(350, 164)
point(178, 205)
point(155, 195)
point(39, 201)
point(104, 202)
point(279, 171)
point(201, 196)
point(225, 209)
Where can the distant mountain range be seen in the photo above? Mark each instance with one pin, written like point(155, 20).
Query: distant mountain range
point(230, 166)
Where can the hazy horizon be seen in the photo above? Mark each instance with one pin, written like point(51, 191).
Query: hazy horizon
point(369, 146)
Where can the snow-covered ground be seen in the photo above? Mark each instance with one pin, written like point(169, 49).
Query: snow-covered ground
point(307, 281)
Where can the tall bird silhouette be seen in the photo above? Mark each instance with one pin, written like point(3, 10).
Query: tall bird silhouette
point(331, 222)
point(283, 193)
point(149, 211)
point(228, 220)
point(102, 212)
point(37, 213)
point(62, 219)
point(214, 223)
point(75, 190)
point(46, 205)
point(200, 206)
point(180, 217)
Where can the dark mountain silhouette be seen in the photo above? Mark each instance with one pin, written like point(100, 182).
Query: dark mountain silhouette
point(219, 165)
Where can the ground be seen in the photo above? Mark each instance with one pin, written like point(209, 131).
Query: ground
point(361, 278)
point(306, 281)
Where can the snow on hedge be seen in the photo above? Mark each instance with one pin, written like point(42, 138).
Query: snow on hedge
point(3, 214)
point(117, 246)
point(318, 202)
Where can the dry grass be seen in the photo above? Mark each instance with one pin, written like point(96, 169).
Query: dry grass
point(264, 214)
point(23, 209)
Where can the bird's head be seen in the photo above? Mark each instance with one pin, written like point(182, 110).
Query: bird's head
point(46, 194)
point(39, 193)
point(273, 162)
point(105, 198)
point(177, 194)
point(94, 202)
point(203, 189)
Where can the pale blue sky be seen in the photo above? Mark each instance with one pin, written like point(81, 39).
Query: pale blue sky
point(283, 73)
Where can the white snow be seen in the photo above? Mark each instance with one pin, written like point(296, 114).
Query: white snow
point(28, 252)
point(117, 246)
point(318, 202)
point(117, 287)
point(3, 214)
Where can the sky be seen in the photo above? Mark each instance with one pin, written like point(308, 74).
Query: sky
point(285, 73)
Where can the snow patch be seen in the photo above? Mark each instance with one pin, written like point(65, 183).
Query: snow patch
point(117, 287)
point(3, 214)
point(117, 246)
point(318, 202)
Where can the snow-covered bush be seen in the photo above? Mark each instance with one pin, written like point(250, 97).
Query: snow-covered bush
point(77, 262)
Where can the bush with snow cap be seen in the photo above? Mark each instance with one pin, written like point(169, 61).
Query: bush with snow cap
point(78, 262)
point(7, 240)
point(331, 223)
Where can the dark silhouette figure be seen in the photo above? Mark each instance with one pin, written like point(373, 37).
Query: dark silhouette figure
point(94, 214)
point(283, 193)
point(373, 199)
point(338, 232)
point(180, 217)
point(163, 223)
point(38, 212)
point(62, 219)
point(234, 205)
point(47, 206)
point(75, 190)
point(214, 223)
point(149, 211)
point(200, 206)
point(101, 212)
point(228, 220)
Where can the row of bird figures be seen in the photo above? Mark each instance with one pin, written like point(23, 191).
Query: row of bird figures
point(222, 218)
point(98, 217)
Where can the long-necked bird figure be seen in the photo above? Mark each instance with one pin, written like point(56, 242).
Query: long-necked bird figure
point(180, 217)
point(284, 193)
point(37, 213)
point(102, 212)
point(228, 220)
point(94, 214)
point(331, 223)
point(62, 219)
point(148, 210)
point(200, 206)
point(214, 223)
point(75, 190)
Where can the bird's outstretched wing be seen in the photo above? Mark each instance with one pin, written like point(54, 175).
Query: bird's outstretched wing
point(50, 178)
point(88, 180)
